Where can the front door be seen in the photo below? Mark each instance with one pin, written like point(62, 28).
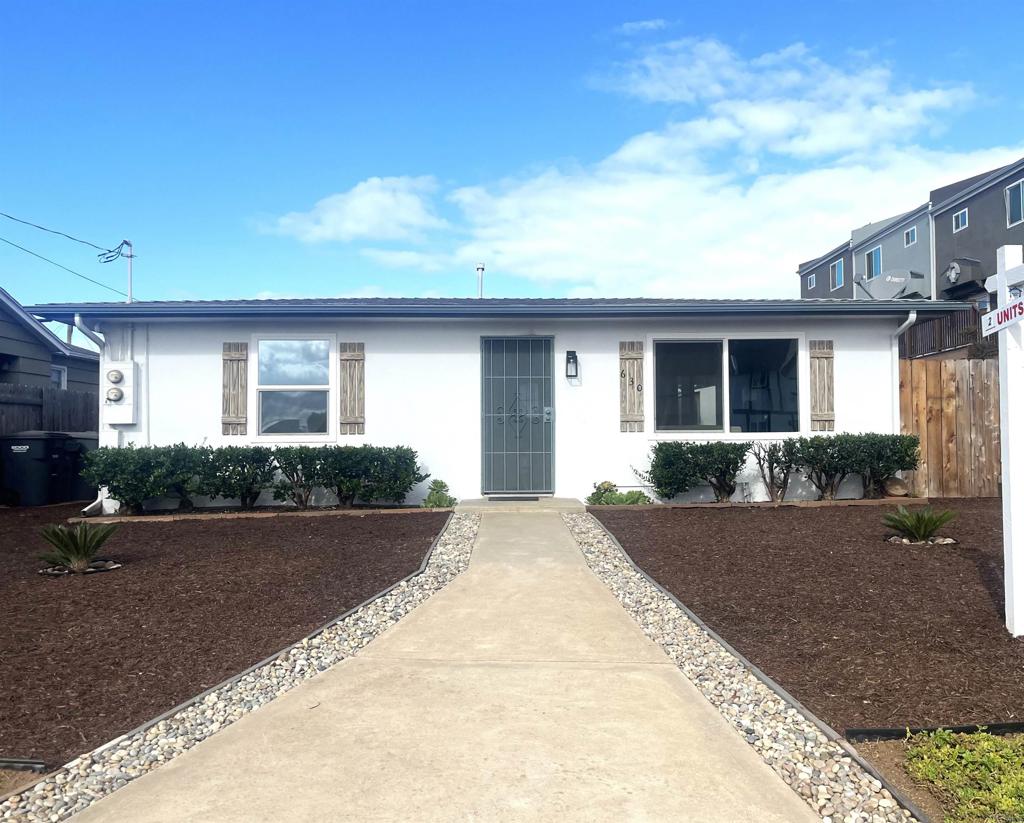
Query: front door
point(518, 415)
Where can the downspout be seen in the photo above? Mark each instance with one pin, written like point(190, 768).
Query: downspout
point(96, 507)
point(906, 324)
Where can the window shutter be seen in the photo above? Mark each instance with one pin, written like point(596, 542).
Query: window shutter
point(631, 386)
point(823, 410)
point(234, 390)
point(353, 391)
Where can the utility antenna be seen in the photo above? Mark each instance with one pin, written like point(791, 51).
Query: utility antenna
point(479, 280)
point(112, 255)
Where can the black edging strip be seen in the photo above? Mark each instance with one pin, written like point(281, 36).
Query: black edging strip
point(21, 764)
point(235, 678)
point(868, 735)
point(826, 729)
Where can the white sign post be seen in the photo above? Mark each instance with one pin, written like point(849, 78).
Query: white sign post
point(1010, 275)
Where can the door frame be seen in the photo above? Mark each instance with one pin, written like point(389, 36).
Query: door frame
point(554, 415)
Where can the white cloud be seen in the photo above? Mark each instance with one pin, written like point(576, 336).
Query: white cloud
point(379, 208)
point(642, 26)
point(407, 259)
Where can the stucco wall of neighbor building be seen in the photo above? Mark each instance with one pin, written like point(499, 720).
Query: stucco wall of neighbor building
point(423, 386)
point(986, 229)
point(823, 281)
point(896, 256)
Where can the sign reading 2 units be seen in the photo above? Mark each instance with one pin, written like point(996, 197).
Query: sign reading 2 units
point(1002, 318)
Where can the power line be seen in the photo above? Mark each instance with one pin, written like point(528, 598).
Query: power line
point(59, 266)
point(54, 231)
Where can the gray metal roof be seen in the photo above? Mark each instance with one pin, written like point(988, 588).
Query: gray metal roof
point(443, 307)
point(45, 336)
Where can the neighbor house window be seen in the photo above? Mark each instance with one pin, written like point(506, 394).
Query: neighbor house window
point(812, 281)
point(764, 391)
point(759, 377)
point(910, 236)
point(836, 275)
point(293, 379)
point(59, 377)
point(1015, 204)
point(960, 220)
point(873, 263)
point(688, 385)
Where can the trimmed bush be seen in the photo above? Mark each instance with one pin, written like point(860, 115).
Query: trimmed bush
point(776, 463)
point(241, 472)
point(134, 475)
point(298, 474)
point(918, 525)
point(877, 457)
point(344, 469)
point(677, 467)
point(392, 473)
point(438, 496)
point(825, 462)
point(608, 494)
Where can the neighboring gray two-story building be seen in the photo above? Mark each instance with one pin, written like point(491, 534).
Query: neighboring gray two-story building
point(828, 275)
point(892, 257)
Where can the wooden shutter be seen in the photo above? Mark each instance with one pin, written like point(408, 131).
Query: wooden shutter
point(823, 409)
point(353, 391)
point(234, 391)
point(631, 386)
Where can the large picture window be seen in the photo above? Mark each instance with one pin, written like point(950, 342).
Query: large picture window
point(293, 378)
point(764, 391)
point(760, 378)
point(688, 385)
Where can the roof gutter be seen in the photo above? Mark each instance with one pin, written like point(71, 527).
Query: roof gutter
point(84, 329)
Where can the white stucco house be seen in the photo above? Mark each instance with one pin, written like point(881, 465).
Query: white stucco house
point(498, 396)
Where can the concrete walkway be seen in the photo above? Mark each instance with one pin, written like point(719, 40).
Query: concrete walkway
point(523, 691)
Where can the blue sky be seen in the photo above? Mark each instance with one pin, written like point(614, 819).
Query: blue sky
point(253, 149)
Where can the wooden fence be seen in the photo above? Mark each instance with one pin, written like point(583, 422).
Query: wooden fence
point(953, 407)
point(34, 408)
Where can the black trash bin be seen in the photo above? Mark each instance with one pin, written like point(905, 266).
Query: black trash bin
point(83, 442)
point(42, 467)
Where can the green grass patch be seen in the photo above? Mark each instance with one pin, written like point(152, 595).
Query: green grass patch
point(980, 776)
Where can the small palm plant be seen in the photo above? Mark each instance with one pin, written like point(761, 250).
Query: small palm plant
point(919, 525)
point(75, 548)
point(438, 496)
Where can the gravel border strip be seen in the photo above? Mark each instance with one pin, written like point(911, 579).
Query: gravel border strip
point(96, 774)
point(806, 753)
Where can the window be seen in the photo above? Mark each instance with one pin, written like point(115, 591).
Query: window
point(293, 379)
point(760, 378)
point(59, 376)
point(960, 220)
point(688, 385)
point(763, 386)
point(873, 263)
point(910, 236)
point(812, 281)
point(1015, 204)
point(835, 274)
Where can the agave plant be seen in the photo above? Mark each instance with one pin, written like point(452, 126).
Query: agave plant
point(75, 547)
point(918, 525)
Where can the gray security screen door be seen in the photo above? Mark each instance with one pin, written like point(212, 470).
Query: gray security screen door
point(518, 411)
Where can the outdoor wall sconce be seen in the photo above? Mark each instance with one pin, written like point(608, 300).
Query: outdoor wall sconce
point(572, 365)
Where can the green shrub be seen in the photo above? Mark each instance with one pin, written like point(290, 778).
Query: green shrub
point(776, 462)
point(608, 494)
point(677, 467)
point(298, 473)
point(344, 470)
point(825, 462)
point(393, 471)
point(438, 496)
point(241, 472)
point(981, 776)
point(134, 475)
point(74, 548)
point(877, 457)
point(917, 524)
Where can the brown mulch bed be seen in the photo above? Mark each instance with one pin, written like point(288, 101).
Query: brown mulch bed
point(87, 658)
point(863, 632)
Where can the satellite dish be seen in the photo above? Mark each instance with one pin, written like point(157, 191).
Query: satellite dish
point(893, 285)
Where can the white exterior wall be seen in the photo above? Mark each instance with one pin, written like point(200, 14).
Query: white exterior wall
point(423, 387)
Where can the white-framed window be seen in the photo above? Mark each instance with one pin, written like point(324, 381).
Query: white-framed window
point(960, 221)
point(812, 281)
point(910, 237)
point(59, 377)
point(734, 385)
point(1015, 204)
point(836, 275)
point(294, 380)
point(873, 263)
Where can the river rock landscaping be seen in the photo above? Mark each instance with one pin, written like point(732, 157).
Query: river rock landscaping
point(820, 770)
point(96, 774)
